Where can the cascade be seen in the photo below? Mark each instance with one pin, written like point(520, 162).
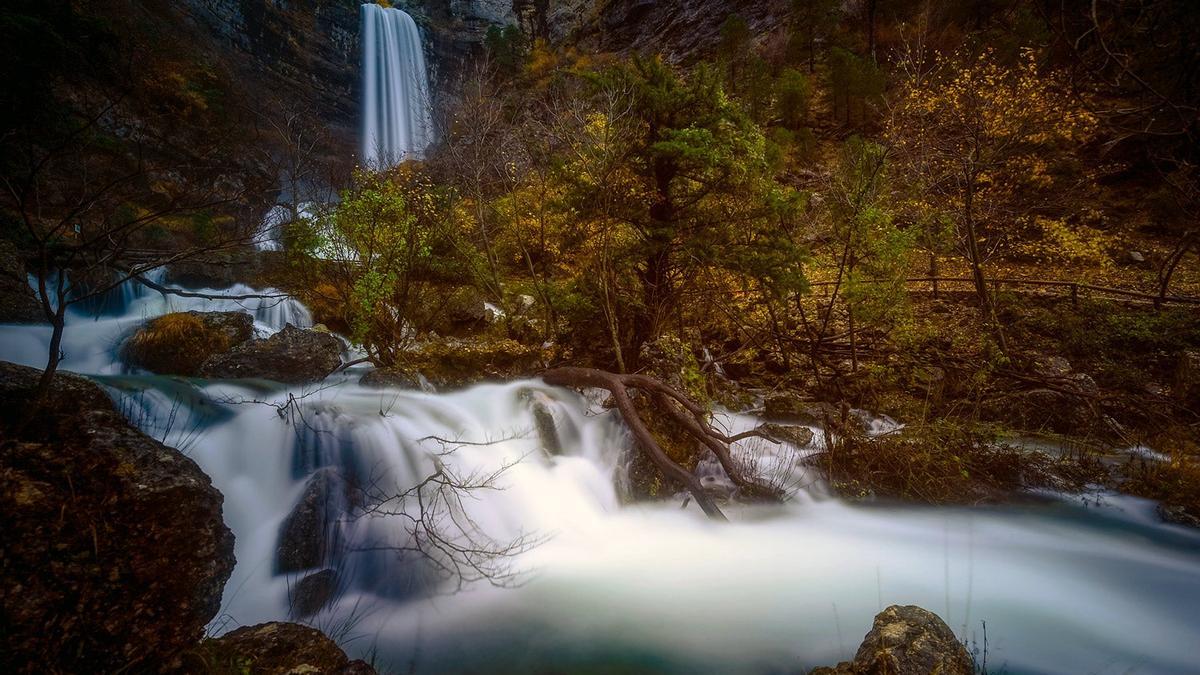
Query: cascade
point(1064, 586)
point(396, 118)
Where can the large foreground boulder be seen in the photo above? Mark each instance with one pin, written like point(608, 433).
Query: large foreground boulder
point(906, 640)
point(277, 648)
point(179, 343)
point(291, 356)
point(114, 553)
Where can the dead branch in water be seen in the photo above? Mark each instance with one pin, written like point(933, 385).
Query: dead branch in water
point(690, 415)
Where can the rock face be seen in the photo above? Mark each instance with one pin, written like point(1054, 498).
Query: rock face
point(221, 270)
point(18, 303)
point(291, 356)
point(179, 343)
point(279, 648)
point(114, 552)
point(309, 45)
point(906, 640)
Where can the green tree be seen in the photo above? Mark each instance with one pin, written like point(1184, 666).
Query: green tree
point(694, 190)
point(793, 97)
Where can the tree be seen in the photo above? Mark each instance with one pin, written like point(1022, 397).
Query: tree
point(976, 138)
point(693, 190)
point(811, 20)
point(793, 98)
point(388, 240)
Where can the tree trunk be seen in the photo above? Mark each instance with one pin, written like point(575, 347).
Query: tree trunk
point(55, 355)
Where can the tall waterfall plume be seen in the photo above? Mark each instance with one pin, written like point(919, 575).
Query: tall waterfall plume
point(396, 118)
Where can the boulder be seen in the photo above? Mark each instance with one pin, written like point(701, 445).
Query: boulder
point(906, 640)
point(789, 433)
point(114, 551)
point(543, 420)
point(793, 408)
point(277, 648)
point(18, 302)
point(456, 362)
point(1051, 367)
point(179, 343)
point(391, 378)
point(312, 593)
point(291, 356)
point(308, 537)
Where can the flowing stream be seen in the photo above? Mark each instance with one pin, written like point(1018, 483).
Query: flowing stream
point(1069, 586)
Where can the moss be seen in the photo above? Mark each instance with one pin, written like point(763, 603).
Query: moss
point(176, 343)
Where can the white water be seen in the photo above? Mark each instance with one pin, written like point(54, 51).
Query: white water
point(96, 329)
point(269, 236)
point(396, 120)
point(1063, 587)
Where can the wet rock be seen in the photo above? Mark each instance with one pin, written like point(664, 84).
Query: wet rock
point(18, 302)
point(454, 362)
point(179, 343)
point(391, 378)
point(1178, 514)
point(1137, 257)
point(547, 429)
point(906, 640)
point(789, 433)
point(278, 648)
point(114, 551)
point(309, 536)
point(312, 593)
point(291, 356)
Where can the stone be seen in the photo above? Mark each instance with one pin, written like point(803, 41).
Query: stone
point(115, 550)
point(308, 537)
point(278, 648)
point(907, 640)
point(291, 356)
point(1136, 257)
point(1051, 367)
point(179, 343)
point(18, 302)
point(547, 428)
point(455, 362)
point(796, 435)
point(313, 593)
point(391, 378)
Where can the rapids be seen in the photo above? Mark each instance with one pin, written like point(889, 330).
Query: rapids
point(1068, 586)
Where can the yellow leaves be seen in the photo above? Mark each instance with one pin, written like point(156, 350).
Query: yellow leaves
point(1071, 244)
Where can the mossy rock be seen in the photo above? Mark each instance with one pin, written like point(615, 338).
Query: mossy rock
point(179, 343)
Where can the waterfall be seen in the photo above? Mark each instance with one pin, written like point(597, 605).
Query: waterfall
point(1096, 585)
point(396, 119)
point(1063, 588)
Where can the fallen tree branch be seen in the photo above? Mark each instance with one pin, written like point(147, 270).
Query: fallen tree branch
point(688, 413)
